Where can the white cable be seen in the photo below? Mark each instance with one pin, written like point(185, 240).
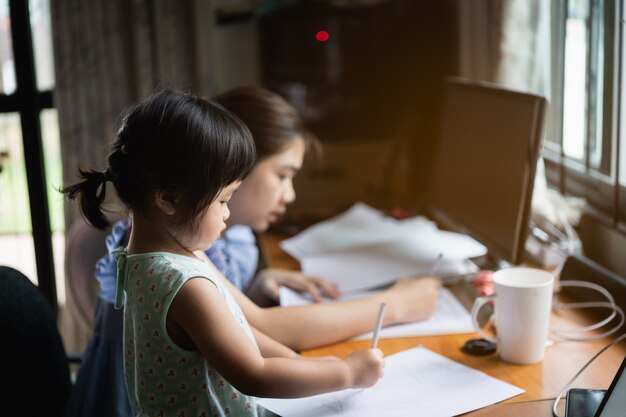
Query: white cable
point(572, 334)
point(571, 381)
point(589, 304)
point(572, 236)
point(590, 285)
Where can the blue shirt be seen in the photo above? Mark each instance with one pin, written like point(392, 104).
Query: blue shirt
point(235, 255)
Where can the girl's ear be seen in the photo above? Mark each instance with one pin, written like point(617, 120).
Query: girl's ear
point(165, 202)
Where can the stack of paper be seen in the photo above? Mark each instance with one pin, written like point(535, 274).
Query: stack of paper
point(362, 249)
point(416, 383)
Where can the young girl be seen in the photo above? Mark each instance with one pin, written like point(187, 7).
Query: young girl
point(176, 162)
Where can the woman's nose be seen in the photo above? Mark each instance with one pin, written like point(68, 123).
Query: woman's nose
point(289, 196)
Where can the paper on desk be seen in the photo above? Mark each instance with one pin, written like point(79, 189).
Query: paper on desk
point(359, 225)
point(375, 265)
point(450, 317)
point(417, 382)
point(363, 226)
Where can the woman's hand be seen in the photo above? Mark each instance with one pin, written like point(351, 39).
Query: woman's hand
point(412, 299)
point(269, 280)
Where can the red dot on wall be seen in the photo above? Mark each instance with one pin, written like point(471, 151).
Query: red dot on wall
point(322, 36)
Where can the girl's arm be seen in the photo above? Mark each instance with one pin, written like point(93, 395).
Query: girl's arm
point(270, 348)
point(314, 325)
point(200, 311)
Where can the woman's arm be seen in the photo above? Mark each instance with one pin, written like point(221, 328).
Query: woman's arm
point(314, 325)
point(200, 310)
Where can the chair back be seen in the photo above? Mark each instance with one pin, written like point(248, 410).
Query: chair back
point(34, 373)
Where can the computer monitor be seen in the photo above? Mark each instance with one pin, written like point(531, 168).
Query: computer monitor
point(484, 168)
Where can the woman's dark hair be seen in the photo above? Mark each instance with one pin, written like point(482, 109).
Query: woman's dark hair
point(187, 147)
point(274, 123)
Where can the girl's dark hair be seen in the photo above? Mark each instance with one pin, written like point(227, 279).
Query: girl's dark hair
point(273, 122)
point(187, 147)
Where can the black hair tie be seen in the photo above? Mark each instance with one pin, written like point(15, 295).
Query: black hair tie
point(106, 175)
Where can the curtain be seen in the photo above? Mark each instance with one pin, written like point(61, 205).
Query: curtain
point(525, 61)
point(507, 42)
point(480, 30)
point(525, 46)
point(110, 54)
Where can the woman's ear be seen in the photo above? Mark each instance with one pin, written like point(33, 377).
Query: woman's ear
point(165, 202)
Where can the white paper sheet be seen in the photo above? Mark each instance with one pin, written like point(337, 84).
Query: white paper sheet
point(359, 225)
point(375, 265)
point(362, 225)
point(450, 317)
point(362, 249)
point(417, 382)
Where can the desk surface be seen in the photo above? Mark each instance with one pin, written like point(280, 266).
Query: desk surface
point(542, 381)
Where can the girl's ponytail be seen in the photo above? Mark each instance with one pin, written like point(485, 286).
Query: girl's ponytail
point(91, 193)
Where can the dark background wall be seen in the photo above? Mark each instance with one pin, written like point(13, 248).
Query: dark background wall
point(372, 92)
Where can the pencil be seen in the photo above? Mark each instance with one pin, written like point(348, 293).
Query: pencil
point(433, 269)
point(379, 324)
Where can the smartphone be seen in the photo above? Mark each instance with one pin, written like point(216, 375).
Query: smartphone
point(582, 402)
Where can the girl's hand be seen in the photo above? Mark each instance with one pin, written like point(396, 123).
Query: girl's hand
point(272, 278)
point(412, 299)
point(366, 367)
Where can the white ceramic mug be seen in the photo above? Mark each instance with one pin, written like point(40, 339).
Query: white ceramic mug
point(523, 300)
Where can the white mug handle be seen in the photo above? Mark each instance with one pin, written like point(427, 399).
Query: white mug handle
point(478, 303)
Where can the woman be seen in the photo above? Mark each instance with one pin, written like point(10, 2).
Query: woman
point(281, 141)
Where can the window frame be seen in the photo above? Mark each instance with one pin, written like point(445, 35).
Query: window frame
point(599, 186)
point(28, 102)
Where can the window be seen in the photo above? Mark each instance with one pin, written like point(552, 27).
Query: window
point(31, 220)
point(585, 142)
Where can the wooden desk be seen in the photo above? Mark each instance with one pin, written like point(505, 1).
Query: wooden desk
point(542, 381)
